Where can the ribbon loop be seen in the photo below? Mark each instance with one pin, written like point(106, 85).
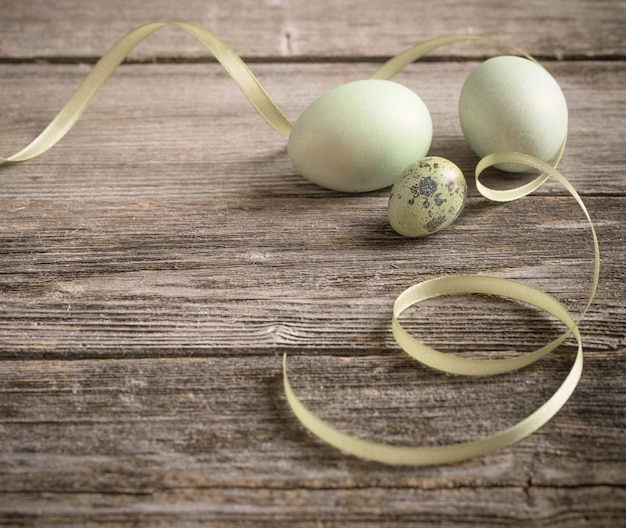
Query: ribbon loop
point(430, 455)
point(469, 284)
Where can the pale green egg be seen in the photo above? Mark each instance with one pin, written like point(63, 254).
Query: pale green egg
point(513, 104)
point(360, 136)
point(429, 196)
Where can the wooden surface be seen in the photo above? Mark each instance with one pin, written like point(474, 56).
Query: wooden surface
point(157, 263)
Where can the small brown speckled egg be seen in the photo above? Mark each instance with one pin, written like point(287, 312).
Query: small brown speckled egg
point(428, 196)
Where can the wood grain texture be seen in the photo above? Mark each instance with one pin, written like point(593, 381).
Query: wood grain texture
point(296, 30)
point(174, 129)
point(159, 437)
point(157, 263)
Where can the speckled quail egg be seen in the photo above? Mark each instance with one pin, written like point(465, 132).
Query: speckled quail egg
point(428, 196)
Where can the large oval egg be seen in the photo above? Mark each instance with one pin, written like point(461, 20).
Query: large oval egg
point(512, 104)
point(360, 136)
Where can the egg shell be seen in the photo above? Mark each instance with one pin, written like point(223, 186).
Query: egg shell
point(428, 197)
point(360, 136)
point(513, 104)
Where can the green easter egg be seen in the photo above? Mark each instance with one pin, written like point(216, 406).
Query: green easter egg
point(360, 136)
point(512, 104)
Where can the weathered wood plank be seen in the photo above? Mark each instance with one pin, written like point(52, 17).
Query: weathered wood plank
point(179, 129)
point(150, 225)
point(96, 279)
point(323, 29)
point(370, 508)
point(168, 250)
point(314, 508)
point(165, 435)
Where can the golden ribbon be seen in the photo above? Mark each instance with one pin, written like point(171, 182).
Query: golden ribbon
point(392, 454)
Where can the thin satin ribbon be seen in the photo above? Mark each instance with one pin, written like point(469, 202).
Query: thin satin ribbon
point(452, 364)
point(400, 61)
point(429, 455)
point(104, 68)
point(264, 105)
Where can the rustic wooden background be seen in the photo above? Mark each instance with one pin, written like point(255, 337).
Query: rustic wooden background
point(157, 263)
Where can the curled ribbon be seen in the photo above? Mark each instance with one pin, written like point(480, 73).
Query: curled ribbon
point(430, 455)
point(261, 101)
